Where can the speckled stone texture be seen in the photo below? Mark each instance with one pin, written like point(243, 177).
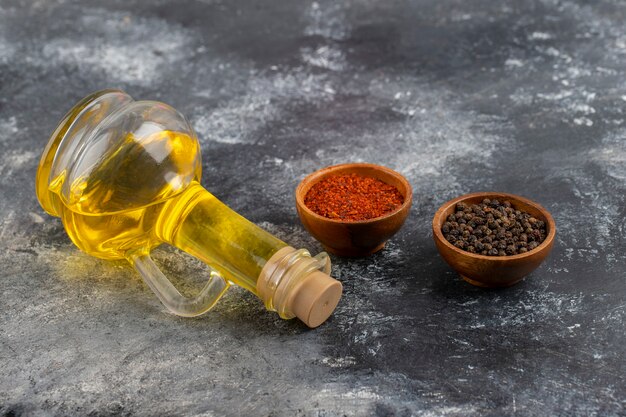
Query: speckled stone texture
point(527, 97)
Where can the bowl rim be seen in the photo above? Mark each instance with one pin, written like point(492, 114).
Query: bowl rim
point(317, 175)
point(438, 234)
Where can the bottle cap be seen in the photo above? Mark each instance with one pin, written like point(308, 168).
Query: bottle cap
point(291, 285)
point(315, 299)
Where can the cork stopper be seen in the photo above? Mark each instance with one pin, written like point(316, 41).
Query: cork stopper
point(292, 285)
point(315, 299)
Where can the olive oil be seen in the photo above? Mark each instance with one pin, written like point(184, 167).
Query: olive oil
point(123, 176)
point(98, 222)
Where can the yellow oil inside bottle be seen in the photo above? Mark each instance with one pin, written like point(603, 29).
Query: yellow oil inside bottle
point(124, 176)
point(127, 205)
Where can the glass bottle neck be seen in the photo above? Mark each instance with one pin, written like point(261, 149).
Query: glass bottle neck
point(201, 225)
point(289, 281)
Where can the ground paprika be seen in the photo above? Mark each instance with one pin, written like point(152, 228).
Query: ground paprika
point(352, 197)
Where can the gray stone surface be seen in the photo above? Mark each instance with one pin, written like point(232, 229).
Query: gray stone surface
point(523, 97)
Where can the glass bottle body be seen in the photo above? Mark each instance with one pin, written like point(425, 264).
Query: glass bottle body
point(124, 178)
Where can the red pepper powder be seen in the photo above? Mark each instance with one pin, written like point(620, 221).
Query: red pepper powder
point(352, 197)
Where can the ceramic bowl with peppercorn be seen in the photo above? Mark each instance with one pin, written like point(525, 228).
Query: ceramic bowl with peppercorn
point(493, 239)
point(353, 209)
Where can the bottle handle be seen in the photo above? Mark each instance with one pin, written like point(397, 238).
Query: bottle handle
point(170, 296)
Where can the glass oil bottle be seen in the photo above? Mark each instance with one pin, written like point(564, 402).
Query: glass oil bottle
point(124, 177)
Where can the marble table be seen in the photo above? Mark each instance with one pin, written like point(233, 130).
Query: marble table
point(459, 96)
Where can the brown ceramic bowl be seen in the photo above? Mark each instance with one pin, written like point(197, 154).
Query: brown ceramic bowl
point(356, 238)
point(493, 271)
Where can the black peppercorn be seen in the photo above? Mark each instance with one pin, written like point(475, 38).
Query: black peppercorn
point(493, 228)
